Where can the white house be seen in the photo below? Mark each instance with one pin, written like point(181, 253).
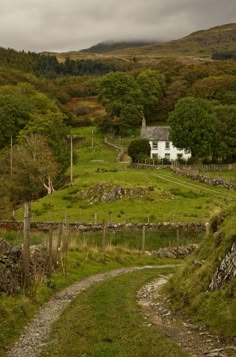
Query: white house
point(161, 146)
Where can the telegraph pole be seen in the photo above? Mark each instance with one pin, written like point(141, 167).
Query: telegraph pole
point(71, 160)
point(11, 157)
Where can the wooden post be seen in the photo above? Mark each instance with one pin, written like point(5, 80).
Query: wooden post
point(59, 239)
point(177, 242)
point(92, 140)
point(143, 239)
point(50, 252)
point(103, 234)
point(11, 157)
point(207, 225)
point(26, 245)
point(71, 160)
point(95, 218)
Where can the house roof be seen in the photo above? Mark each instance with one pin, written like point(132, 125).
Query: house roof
point(158, 133)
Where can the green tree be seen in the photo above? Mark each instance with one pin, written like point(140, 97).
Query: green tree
point(152, 85)
point(139, 149)
point(32, 172)
point(14, 114)
point(52, 127)
point(122, 99)
point(225, 133)
point(193, 124)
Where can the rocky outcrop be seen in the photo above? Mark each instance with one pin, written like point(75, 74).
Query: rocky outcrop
point(102, 193)
point(226, 271)
point(11, 266)
point(175, 252)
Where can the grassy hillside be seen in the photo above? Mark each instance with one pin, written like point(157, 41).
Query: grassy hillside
point(200, 43)
point(188, 288)
point(165, 198)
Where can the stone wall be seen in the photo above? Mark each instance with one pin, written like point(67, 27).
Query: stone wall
point(175, 252)
point(90, 227)
point(226, 271)
point(207, 180)
point(11, 266)
point(121, 150)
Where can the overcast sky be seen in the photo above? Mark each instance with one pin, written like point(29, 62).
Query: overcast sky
point(61, 25)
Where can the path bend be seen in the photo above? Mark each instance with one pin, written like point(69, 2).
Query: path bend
point(35, 334)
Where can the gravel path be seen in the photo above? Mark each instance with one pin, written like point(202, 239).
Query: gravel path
point(195, 340)
point(35, 335)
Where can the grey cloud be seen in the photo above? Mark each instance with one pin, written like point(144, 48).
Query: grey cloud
point(74, 24)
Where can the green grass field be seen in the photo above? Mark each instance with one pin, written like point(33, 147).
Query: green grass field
point(106, 321)
point(171, 198)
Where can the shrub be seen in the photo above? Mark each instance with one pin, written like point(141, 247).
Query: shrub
point(139, 149)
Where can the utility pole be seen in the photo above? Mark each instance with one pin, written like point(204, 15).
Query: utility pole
point(71, 160)
point(11, 157)
point(92, 140)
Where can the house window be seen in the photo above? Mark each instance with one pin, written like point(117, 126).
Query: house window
point(167, 145)
point(155, 145)
point(167, 157)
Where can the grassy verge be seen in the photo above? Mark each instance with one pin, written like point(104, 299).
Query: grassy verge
point(188, 288)
point(16, 311)
point(106, 321)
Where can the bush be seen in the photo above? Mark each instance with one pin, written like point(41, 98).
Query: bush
point(139, 149)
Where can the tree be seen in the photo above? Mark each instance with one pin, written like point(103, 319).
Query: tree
point(122, 99)
point(193, 125)
point(225, 133)
point(152, 85)
point(32, 172)
point(51, 126)
point(139, 149)
point(14, 114)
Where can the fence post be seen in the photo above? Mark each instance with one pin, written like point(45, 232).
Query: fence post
point(103, 234)
point(177, 243)
point(26, 244)
point(95, 218)
point(50, 252)
point(207, 225)
point(143, 239)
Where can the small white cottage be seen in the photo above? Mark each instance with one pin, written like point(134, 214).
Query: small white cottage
point(161, 146)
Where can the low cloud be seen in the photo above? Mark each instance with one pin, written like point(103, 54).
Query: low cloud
point(72, 25)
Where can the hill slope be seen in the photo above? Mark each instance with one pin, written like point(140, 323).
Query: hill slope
point(200, 43)
point(108, 46)
point(205, 288)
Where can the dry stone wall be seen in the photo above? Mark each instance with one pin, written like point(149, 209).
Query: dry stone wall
point(91, 227)
point(226, 271)
point(11, 266)
point(203, 179)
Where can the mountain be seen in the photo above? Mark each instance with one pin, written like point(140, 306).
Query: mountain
point(109, 46)
point(200, 43)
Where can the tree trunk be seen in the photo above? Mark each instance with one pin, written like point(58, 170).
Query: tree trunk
point(26, 245)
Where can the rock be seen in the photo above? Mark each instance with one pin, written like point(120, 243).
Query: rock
point(226, 271)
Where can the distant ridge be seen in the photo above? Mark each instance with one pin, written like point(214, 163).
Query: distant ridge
point(109, 46)
point(199, 43)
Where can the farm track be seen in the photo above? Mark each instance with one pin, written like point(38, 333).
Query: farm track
point(195, 340)
point(34, 337)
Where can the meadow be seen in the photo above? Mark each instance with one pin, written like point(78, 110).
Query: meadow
point(167, 197)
